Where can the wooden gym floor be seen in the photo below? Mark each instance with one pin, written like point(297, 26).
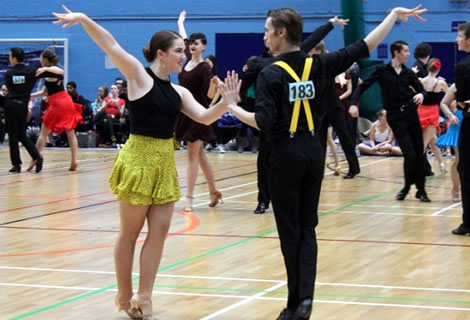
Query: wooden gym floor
point(378, 258)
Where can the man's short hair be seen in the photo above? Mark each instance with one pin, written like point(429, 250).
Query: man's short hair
point(72, 84)
point(291, 20)
point(423, 50)
point(397, 46)
point(465, 27)
point(17, 53)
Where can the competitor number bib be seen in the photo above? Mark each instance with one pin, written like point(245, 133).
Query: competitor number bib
point(302, 90)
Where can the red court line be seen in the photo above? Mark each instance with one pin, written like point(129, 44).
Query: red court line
point(180, 233)
point(54, 201)
point(84, 196)
point(43, 176)
point(193, 224)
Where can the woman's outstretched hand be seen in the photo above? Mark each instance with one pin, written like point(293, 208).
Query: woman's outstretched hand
point(68, 18)
point(230, 88)
point(404, 13)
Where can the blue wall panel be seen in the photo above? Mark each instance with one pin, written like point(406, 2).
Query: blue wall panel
point(133, 23)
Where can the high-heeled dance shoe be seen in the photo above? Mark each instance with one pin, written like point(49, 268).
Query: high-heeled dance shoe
point(132, 313)
point(216, 198)
point(31, 166)
point(137, 305)
point(188, 206)
point(442, 167)
point(73, 166)
point(455, 196)
point(337, 171)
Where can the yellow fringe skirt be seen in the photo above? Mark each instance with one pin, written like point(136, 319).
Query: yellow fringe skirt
point(144, 172)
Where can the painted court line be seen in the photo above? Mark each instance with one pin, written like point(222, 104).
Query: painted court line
point(188, 260)
point(446, 208)
point(161, 275)
point(244, 301)
point(398, 214)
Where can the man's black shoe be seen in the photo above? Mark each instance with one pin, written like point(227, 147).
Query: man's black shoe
point(428, 173)
point(39, 162)
point(422, 196)
point(304, 310)
point(402, 194)
point(261, 208)
point(461, 231)
point(286, 314)
point(16, 169)
point(350, 175)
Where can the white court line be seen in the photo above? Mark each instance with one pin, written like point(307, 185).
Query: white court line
point(446, 208)
point(380, 206)
point(393, 214)
point(244, 301)
point(255, 182)
point(411, 306)
point(358, 285)
point(156, 292)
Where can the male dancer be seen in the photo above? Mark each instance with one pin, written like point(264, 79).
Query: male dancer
point(400, 100)
point(296, 162)
point(462, 84)
point(20, 81)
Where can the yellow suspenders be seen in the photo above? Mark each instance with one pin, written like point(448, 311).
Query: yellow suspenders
point(305, 102)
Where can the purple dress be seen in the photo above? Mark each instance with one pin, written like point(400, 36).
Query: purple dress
point(197, 81)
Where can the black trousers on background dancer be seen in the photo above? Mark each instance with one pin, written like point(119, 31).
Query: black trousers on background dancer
point(15, 117)
point(401, 93)
point(462, 84)
point(20, 80)
point(335, 118)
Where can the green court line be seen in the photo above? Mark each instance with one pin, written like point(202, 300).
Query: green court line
point(113, 286)
point(185, 261)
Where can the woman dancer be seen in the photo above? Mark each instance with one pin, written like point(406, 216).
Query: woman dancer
point(62, 113)
point(144, 174)
point(196, 77)
point(451, 137)
point(334, 151)
point(428, 112)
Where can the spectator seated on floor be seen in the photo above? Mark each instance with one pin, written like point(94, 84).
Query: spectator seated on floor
point(380, 141)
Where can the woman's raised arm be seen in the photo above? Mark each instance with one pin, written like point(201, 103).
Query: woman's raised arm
point(129, 66)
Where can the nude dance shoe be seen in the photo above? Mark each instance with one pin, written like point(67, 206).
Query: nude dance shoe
point(216, 198)
point(133, 313)
point(188, 206)
point(73, 166)
point(137, 305)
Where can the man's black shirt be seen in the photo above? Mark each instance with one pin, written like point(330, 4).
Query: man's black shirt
point(462, 79)
point(422, 69)
point(20, 81)
point(396, 90)
point(273, 109)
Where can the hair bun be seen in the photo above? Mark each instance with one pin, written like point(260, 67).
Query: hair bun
point(147, 54)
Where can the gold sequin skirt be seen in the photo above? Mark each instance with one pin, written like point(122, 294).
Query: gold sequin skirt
point(144, 172)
